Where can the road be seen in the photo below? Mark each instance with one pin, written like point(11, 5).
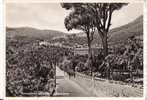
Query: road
point(67, 87)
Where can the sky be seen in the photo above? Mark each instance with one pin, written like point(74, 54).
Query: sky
point(51, 15)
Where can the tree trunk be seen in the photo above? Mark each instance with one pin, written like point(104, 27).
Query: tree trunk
point(89, 50)
point(105, 45)
point(131, 75)
point(90, 56)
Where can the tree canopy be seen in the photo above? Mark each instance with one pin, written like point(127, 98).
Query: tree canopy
point(94, 15)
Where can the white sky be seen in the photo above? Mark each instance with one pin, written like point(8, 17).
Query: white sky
point(51, 15)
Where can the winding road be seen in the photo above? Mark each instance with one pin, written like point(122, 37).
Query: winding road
point(68, 88)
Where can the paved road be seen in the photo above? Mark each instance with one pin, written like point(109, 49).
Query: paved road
point(68, 88)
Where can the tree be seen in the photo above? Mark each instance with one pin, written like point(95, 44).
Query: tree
point(103, 15)
point(81, 19)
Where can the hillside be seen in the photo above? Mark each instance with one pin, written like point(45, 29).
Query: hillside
point(122, 33)
point(119, 34)
point(32, 33)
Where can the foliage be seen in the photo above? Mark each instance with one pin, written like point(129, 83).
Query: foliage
point(80, 18)
point(30, 67)
point(99, 14)
point(124, 60)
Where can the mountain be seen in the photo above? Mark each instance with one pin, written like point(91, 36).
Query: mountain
point(122, 33)
point(116, 35)
point(32, 33)
point(134, 28)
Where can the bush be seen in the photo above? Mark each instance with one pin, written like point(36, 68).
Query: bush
point(30, 66)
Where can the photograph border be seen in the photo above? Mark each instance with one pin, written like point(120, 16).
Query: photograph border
point(3, 41)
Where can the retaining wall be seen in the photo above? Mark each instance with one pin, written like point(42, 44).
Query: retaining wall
point(104, 88)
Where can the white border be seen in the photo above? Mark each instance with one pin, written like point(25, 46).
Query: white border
point(73, 98)
point(145, 51)
point(2, 50)
point(55, 1)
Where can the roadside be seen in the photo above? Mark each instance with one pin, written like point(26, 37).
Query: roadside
point(69, 88)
